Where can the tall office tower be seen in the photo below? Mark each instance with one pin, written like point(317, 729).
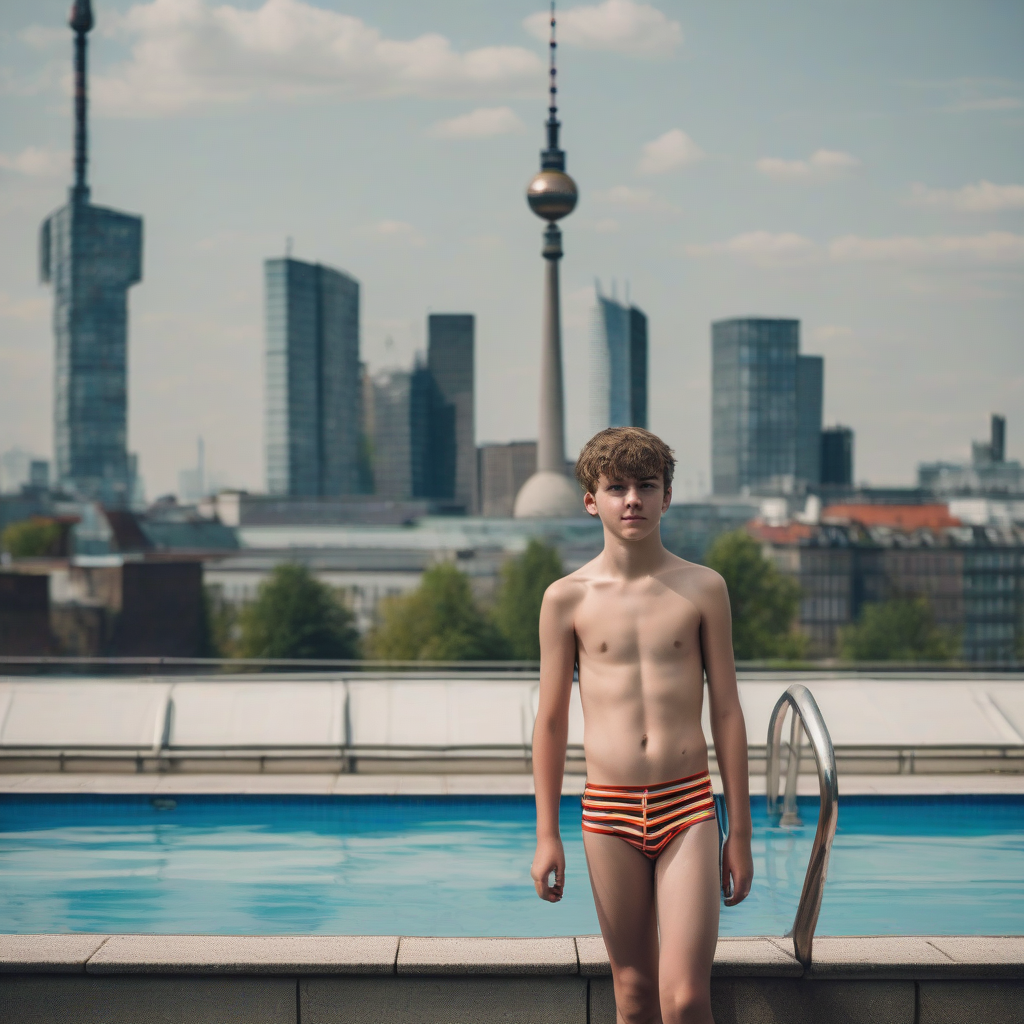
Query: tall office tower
point(837, 456)
point(638, 365)
point(313, 421)
point(503, 469)
point(754, 404)
point(450, 342)
point(392, 435)
point(998, 441)
point(364, 469)
point(618, 381)
point(552, 195)
point(398, 424)
point(92, 256)
point(810, 386)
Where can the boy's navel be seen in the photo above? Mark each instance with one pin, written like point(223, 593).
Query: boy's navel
point(604, 647)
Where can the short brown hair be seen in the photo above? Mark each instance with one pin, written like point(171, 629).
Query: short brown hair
point(624, 451)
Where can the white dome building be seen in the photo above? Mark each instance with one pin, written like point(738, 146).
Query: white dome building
point(549, 495)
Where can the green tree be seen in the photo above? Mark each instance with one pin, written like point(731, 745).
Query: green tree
point(900, 629)
point(296, 616)
point(33, 538)
point(222, 629)
point(523, 582)
point(439, 621)
point(764, 601)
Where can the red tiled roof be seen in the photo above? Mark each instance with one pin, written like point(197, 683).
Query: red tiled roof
point(791, 533)
point(897, 517)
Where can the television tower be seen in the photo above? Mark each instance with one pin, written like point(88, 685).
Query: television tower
point(552, 195)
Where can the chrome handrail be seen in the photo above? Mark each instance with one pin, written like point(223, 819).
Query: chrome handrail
point(806, 718)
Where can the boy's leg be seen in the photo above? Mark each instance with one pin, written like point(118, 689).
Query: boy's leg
point(687, 889)
point(623, 882)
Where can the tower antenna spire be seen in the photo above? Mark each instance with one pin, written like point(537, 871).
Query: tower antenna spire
point(80, 21)
point(553, 158)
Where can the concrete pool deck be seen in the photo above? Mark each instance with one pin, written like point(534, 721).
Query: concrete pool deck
point(88, 979)
point(345, 784)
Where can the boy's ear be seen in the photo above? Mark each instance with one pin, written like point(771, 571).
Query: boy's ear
point(590, 503)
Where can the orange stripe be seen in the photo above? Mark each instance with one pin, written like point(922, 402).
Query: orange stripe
point(648, 817)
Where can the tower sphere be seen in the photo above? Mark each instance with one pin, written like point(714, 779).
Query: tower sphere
point(552, 194)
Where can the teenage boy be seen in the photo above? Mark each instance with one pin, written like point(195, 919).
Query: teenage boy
point(645, 628)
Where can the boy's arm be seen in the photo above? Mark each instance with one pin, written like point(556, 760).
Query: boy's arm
point(730, 736)
point(550, 736)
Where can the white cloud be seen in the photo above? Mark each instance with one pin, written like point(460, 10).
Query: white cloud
point(823, 165)
point(638, 200)
point(482, 123)
point(992, 248)
point(830, 332)
point(187, 53)
point(981, 198)
point(619, 25)
point(26, 310)
point(669, 152)
point(45, 37)
point(36, 162)
point(991, 103)
point(398, 231)
point(787, 249)
point(762, 248)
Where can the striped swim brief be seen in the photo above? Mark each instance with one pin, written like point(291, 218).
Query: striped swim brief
point(648, 817)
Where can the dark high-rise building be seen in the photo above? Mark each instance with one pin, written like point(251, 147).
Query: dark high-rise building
point(618, 385)
point(638, 366)
point(313, 380)
point(837, 456)
point(754, 404)
point(92, 256)
point(452, 444)
point(998, 442)
point(810, 385)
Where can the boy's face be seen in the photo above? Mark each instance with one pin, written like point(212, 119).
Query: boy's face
point(631, 508)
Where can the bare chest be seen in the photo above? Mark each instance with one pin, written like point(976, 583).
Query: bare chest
point(652, 624)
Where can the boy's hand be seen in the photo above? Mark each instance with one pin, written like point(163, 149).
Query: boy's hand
point(550, 857)
point(737, 869)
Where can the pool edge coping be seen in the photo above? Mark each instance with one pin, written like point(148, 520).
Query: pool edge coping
point(848, 957)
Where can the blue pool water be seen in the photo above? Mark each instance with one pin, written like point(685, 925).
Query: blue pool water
point(460, 866)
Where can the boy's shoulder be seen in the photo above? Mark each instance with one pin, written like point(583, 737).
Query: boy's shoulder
point(693, 577)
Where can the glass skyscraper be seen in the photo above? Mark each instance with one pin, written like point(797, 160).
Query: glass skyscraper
point(810, 388)
point(399, 426)
point(92, 256)
point(618, 365)
point(766, 407)
point(451, 462)
point(313, 394)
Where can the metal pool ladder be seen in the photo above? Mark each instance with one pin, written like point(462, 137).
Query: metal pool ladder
point(806, 718)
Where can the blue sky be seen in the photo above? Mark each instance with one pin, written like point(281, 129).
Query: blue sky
point(858, 166)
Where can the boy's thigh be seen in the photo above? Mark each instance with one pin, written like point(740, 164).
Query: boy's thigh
point(688, 887)
point(622, 879)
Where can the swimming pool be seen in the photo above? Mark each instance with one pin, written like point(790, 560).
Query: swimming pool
point(460, 866)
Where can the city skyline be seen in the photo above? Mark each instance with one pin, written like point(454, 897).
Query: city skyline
point(884, 211)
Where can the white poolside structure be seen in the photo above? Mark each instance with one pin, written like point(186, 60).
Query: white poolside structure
point(463, 723)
